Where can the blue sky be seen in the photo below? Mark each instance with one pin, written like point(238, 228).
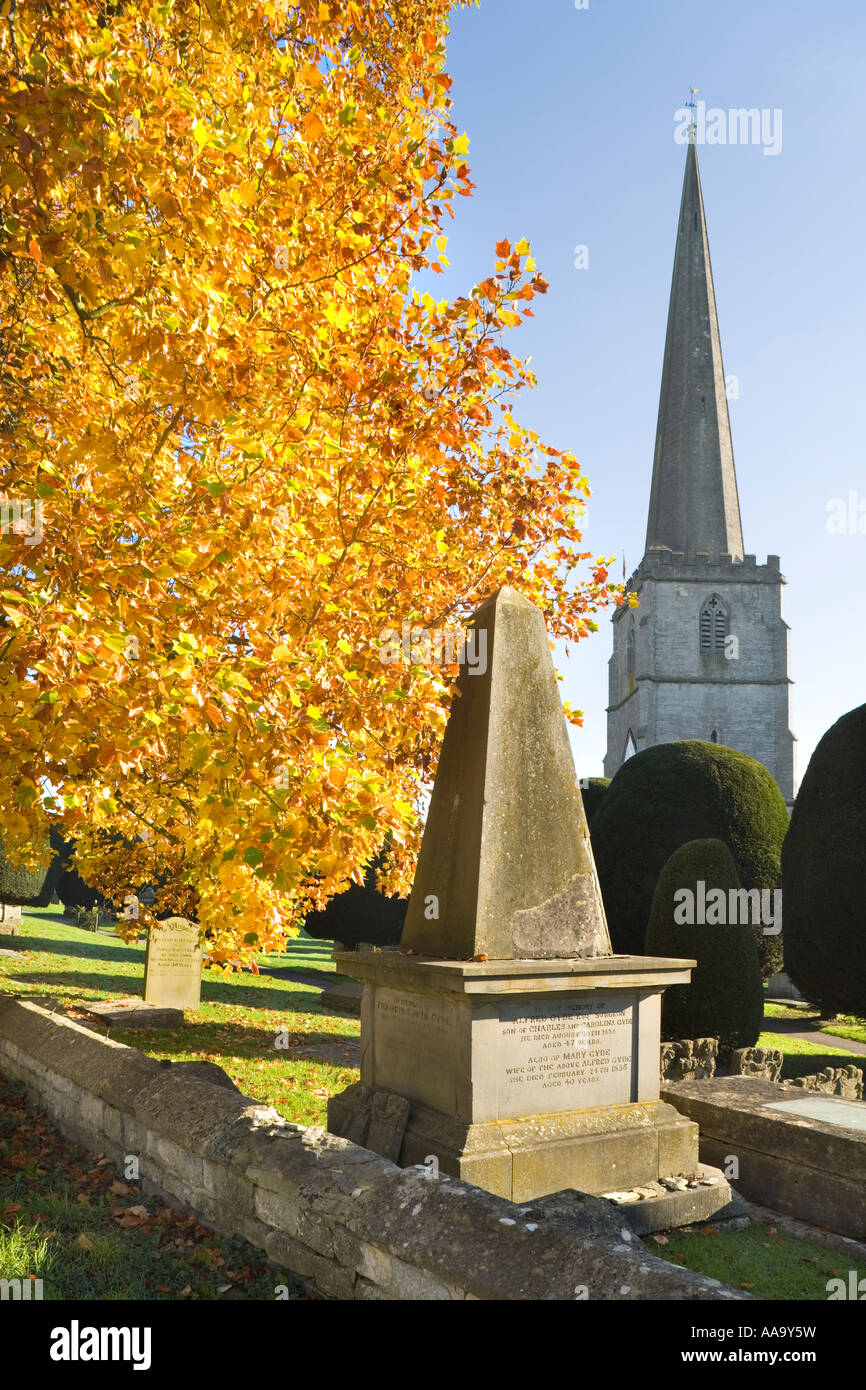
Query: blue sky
point(570, 115)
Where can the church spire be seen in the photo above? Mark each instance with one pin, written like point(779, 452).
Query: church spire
point(694, 504)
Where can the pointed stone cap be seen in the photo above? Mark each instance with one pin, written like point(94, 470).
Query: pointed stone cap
point(506, 858)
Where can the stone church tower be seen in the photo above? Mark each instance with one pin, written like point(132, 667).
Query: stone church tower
point(705, 655)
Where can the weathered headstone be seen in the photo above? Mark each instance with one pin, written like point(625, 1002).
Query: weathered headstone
point(529, 1053)
point(781, 986)
point(172, 971)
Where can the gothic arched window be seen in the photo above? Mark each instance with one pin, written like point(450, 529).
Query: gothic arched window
point(630, 747)
point(629, 652)
point(714, 736)
point(713, 625)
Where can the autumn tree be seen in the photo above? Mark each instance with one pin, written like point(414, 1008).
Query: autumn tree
point(240, 441)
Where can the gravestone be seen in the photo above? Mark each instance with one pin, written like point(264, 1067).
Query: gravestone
point(134, 1013)
point(528, 1052)
point(172, 970)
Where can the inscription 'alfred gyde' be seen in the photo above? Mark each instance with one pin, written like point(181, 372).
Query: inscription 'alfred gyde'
point(583, 1051)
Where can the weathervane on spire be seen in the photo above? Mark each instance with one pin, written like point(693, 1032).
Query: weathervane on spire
point(690, 106)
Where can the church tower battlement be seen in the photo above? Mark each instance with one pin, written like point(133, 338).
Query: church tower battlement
point(706, 653)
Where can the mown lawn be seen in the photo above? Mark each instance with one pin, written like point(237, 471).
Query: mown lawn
point(805, 1058)
point(844, 1026)
point(239, 1022)
point(69, 1219)
point(847, 1026)
point(761, 1259)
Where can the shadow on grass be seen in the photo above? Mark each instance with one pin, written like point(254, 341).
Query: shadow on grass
point(103, 982)
point(302, 945)
point(242, 1042)
point(57, 917)
point(264, 996)
point(301, 975)
point(98, 949)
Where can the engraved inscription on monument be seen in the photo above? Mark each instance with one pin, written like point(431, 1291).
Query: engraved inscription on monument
point(172, 972)
point(415, 1036)
point(564, 1054)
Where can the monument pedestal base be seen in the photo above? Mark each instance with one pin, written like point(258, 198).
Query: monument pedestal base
point(523, 1077)
point(599, 1150)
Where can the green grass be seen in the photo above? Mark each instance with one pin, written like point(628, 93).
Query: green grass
point(847, 1026)
point(68, 1219)
point(798, 1047)
point(844, 1026)
point(786, 1011)
point(235, 1026)
point(805, 1058)
point(761, 1259)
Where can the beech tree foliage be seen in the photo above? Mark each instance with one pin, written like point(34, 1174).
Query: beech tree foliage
point(240, 440)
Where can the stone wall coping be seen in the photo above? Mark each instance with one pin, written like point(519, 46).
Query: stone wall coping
point(514, 976)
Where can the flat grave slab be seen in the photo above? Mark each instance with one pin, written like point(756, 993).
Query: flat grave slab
point(830, 1110)
point(135, 1013)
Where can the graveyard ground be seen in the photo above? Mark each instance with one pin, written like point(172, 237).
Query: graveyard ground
point(68, 1218)
point(241, 1014)
point(236, 1025)
point(765, 1259)
point(46, 1186)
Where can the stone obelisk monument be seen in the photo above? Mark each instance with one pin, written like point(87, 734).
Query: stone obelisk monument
point(505, 1037)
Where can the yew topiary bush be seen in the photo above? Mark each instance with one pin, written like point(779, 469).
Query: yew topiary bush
point(20, 887)
point(824, 872)
point(592, 791)
point(361, 913)
point(725, 998)
point(673, 793)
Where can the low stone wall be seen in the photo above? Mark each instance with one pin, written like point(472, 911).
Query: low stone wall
point(834, 1081)
point(356, 1225)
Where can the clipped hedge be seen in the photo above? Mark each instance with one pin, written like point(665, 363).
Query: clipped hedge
point(20, 887)
point(360, 914)
point(672, 793)
point(74, 893)
point(592, 791)
point(725, 998)
point(55, 869)
point(824, 872)
point(71, 889)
